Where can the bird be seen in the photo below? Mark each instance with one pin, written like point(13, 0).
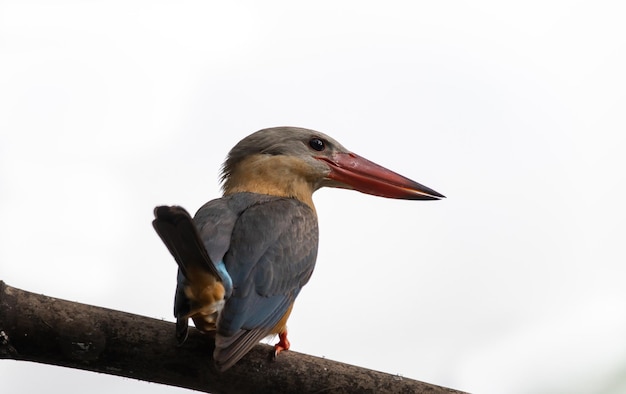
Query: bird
point(244, 257)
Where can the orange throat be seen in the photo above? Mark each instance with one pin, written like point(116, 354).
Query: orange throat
point(282, 176)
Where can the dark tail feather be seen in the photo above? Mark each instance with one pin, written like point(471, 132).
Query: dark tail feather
point(178, 232)
point(182, 329)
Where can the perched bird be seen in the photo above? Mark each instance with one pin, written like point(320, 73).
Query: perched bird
point(244, 257)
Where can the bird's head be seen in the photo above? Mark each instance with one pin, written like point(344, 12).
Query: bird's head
point(295, 162)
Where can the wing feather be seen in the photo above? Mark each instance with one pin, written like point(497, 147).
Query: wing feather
point(272, 255)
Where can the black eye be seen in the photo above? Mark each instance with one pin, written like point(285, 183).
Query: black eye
point(317, 144)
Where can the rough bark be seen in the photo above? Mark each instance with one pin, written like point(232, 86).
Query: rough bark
point(47, 330)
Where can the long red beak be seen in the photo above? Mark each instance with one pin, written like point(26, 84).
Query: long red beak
point(365, 176)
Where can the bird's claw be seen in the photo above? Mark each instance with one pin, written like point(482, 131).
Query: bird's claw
point(283, 344)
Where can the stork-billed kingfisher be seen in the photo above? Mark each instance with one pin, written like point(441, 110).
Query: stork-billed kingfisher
point(244, 257)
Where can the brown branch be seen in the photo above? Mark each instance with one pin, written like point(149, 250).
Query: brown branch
point(47, 330)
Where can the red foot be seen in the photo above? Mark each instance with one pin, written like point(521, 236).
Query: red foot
point(283, 343)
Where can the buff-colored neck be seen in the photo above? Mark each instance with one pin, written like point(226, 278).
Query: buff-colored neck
point(283, 176)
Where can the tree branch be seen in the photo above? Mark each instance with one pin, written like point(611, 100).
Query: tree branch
point(47, 330)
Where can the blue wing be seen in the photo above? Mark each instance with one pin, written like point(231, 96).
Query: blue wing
point(272, 254)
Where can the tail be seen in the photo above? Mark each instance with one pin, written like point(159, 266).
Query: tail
point(200, 292)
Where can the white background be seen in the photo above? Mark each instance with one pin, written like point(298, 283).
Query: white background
point(513, 284)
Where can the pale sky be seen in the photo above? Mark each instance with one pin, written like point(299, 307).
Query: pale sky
point(513, 284)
